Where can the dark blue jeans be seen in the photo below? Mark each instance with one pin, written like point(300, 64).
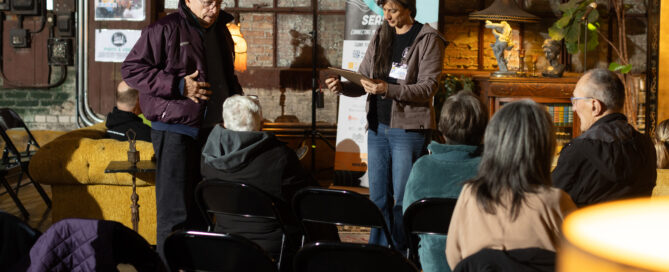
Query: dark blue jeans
point(391, 154)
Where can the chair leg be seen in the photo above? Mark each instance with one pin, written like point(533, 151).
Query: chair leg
point(283, 245)
point(40, 190)
point(12, 194)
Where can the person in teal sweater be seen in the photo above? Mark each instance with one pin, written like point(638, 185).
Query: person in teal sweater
point(442, 172)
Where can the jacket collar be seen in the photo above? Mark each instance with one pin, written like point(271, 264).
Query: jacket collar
point(455, 152)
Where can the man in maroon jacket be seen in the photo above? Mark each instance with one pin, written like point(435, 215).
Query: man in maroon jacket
point(182, 66)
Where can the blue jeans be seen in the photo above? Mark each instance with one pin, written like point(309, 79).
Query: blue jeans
point(391, 154)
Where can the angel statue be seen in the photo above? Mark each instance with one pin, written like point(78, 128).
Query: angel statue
point(502, 32)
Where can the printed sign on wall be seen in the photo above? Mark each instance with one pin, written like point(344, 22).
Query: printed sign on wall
point(113, 45)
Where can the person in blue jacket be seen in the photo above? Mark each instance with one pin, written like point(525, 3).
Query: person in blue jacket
point(442, 172)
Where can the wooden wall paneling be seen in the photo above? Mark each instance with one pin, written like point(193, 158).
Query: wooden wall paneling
point(25, 66)
point(103, 77)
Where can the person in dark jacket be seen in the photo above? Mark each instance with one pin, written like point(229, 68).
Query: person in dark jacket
point(239, 152)
point(124, 116)
point(182, 66)
point(610, 160)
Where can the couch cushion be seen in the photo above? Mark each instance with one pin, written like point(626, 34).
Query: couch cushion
point(81, 156)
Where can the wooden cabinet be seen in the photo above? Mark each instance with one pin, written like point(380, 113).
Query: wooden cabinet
point(552, 92)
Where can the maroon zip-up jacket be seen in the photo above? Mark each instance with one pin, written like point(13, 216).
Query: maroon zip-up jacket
point(168, 50)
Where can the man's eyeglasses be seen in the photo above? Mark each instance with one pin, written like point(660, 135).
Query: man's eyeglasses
point(573, 99)
point(210, 4)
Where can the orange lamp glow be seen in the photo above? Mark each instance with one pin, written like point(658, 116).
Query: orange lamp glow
point(628, 235)
point(240, 46)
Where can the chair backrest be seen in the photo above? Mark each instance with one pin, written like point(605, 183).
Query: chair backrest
point(9, 119)
point(206, 251)
point(328, 256)
point(427, 216)
point(339, 207)
point(524, 259)
point(235, 198)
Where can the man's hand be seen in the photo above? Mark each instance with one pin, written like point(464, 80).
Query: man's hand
point(375, 86)
point(333, 84)
point(195, 90)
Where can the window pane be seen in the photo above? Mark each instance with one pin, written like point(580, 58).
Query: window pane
point(331, 5)
point(257, 30)
point(294, 3)
point(294, 40)
point(260, 3)
point(228, 4)
point(330, 38)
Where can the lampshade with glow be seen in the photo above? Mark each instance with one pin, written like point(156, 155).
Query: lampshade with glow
point(240, 46)
point(503, 11)
point(628, 235)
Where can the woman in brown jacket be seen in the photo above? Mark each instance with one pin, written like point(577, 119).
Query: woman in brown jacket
point(510, 204)
point(404, 61)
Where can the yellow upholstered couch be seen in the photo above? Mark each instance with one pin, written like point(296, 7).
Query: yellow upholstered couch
point(73, 165)
point(662, 183)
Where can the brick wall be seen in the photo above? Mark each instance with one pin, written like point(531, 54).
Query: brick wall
point(52, 109)
point(297, 104)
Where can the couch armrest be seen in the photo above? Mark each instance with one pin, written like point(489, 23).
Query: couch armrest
point(81, 156)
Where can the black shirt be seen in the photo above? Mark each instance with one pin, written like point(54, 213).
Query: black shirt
point(401, 44)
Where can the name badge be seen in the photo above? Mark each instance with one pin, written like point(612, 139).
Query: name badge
point(399, 71)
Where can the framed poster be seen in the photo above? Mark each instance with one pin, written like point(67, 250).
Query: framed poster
point(119, 10)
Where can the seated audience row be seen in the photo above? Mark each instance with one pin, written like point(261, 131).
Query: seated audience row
point(510, 193)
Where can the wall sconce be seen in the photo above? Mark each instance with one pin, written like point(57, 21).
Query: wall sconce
point(240, 46)
point(627, 235)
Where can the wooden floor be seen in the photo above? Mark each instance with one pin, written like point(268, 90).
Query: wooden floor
point(40, 215)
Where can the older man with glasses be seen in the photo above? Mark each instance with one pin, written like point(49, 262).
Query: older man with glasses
point(182, 66)
point(610, 160)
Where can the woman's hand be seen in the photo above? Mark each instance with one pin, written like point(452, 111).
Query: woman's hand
point(375, 86)
point(333, 84)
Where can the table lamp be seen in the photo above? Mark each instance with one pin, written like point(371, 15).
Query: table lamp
point(628, 235)
point(497, 17)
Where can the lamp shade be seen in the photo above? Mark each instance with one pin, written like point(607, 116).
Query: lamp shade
point(504, 10)
point(629, 235)
point(240, 46)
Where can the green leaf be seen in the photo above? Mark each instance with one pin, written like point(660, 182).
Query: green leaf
point(594, 16)
point(572, 47)
point(555, 33)
point(572, 33)
point(591, 27)
point(617, 67)
point(565, 20)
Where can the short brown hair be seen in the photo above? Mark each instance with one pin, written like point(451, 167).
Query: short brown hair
point(126, 95)
point(463, 119)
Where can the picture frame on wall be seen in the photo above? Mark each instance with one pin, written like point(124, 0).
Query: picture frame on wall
point(120, 10)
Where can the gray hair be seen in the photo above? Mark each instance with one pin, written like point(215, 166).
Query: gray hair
point(519, 144)
point(463, 119)
point(242, 113)
point(606, 87)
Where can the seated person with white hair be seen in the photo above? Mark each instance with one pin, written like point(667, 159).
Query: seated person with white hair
point(238, 151)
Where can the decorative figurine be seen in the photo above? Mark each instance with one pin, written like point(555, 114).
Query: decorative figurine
point(552, 50)
point(133, 154)
point(502, 32)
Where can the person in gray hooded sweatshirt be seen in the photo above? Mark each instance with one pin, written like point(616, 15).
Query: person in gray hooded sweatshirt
point(238, 151)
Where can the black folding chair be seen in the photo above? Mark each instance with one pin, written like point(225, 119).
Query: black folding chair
point(328, 256)
point(340, 207)
point(239, 199)
point(427, 216)
point(208, 251)
point(13, 158)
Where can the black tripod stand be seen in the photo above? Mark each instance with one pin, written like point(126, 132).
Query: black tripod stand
point(313, 132)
